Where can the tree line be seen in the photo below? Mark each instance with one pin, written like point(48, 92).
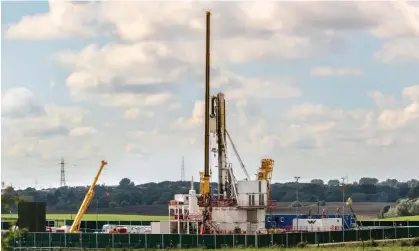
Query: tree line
point(129, 194)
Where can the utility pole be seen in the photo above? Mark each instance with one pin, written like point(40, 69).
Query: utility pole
point(182, 171)
point(343, 195)
point(296, 181)
point(343, 208)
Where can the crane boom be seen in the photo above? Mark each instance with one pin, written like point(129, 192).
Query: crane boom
point(87, 199)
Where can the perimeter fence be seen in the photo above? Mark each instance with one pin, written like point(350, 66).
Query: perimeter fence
point(164, 241)
point(385, 223)
point(8, 224)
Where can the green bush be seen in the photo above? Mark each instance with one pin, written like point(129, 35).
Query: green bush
point(415, 242)
point(302, 244)
point(404, 244)
point(372, 243)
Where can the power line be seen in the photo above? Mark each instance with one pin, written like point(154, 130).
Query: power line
point(62, 164)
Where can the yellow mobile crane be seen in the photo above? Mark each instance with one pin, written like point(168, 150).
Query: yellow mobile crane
point(87, 199)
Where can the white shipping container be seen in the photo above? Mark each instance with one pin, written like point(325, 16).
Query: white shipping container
point(160, 227)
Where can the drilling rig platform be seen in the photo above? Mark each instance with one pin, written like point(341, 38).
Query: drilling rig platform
point(239, 206)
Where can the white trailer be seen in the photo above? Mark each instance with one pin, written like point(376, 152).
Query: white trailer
point(317, 225)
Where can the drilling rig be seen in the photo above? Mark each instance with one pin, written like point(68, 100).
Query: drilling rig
point(238, 205)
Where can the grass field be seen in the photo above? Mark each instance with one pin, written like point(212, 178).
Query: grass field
point(409, 218)
point(345, 249)
point(100, 217)
point(304, 249)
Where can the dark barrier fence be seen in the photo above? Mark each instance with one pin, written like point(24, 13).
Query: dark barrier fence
point(163, 241)
point(385, 223)
point(93, 226)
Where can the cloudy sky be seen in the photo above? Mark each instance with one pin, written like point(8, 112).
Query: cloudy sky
point(326, 89)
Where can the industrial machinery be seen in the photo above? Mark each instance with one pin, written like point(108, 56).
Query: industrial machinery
point(265, 173)
point(87, 199)
point(238, 205)
point(125, 229)
point(349, 204)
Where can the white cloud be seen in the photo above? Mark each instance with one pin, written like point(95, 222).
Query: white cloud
point(326, 71)
point(21, 150)
point(243, 31)
point(64, 19)
point(197, 116)
point(384, 141)
point(25, 119)
point(134, 148)
point(322, 127)
point(136, 134)
point(138, 75)
point(82, 131)
point(393, 18)
point(239, 88)
point(135, 113)
point(412, 92)
point(19, 102)
point(122, 19)
point(381, 100)
point(398, 118)
point(392, 119)
point(369, 126)
point(157, 141)
point(313, 112)
point(399, 50)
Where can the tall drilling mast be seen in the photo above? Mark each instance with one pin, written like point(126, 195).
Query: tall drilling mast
point(223, 174)
point(206, 187)
point(205, 177)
